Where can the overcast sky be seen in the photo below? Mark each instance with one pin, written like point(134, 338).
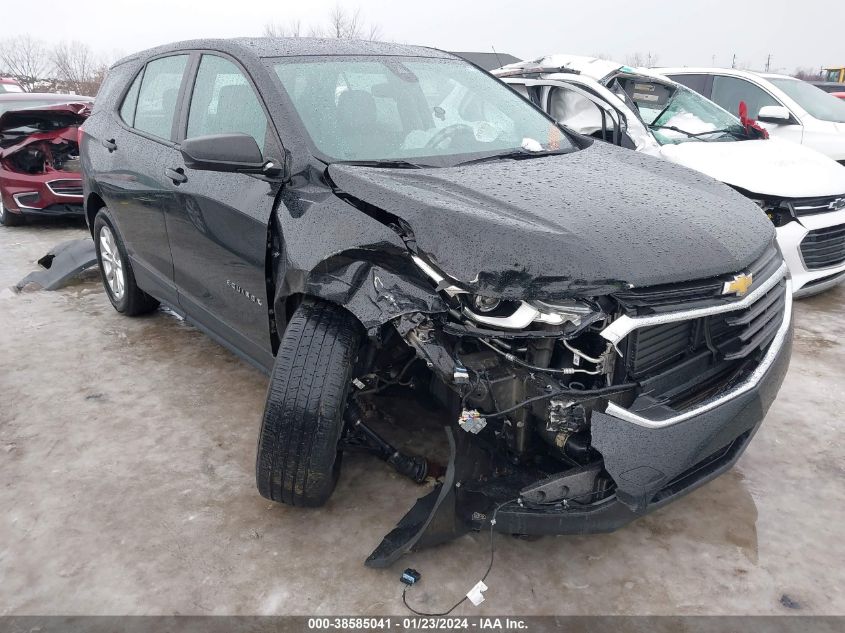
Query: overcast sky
point(680, 32)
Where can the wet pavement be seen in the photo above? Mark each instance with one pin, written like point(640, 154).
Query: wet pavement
point(126, 468)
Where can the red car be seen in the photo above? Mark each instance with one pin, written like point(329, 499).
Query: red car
point(39, 155)
point(9, 85)
point(840, 95)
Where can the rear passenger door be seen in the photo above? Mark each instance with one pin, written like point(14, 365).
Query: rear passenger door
point(134, 186)
point(217, 221)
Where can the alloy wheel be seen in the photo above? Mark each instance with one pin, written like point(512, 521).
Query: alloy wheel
point(112, 263)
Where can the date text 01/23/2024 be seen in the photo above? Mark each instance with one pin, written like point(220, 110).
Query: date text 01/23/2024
point(416, 623)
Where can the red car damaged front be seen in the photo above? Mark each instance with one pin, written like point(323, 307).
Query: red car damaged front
point(39, 161)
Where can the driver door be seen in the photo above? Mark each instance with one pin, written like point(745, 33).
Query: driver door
point(218, 223)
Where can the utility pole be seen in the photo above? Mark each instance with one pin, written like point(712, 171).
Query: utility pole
point(768, 62)
point(733, 62)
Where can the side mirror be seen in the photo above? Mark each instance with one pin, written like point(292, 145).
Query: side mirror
point(775, 114)
point(227, 152)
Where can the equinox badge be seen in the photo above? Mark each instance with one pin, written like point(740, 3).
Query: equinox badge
point(739, 285)
point(242, 291)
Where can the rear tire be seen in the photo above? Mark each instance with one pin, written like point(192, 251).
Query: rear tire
point(7, 218)
point(298, 460)
point(116, 269)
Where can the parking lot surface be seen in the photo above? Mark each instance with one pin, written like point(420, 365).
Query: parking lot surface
point(127, 486)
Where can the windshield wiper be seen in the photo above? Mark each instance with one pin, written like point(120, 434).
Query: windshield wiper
point(697, 135)
point(519, 154)
point(395, 164)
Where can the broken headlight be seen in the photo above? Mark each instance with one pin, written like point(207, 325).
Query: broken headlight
point(485, 304)
point(517, 315)
point(512, 314)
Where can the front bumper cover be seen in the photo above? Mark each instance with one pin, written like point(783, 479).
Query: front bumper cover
point(651, 467)
point(806, 282)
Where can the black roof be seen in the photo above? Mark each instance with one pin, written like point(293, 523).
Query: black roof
point(293, 46)
point(487, 61)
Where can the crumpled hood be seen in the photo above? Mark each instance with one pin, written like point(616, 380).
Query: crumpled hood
point(589, 222)
point(62, 114)
point(772, 167)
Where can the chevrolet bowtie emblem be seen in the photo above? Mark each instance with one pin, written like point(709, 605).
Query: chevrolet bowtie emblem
point(739, 285)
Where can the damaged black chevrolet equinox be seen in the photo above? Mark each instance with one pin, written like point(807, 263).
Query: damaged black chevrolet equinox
point(600, 331)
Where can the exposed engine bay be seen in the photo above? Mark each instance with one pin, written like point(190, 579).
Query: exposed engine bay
point(43, 157)
point(41, 140)
point(40, 168)
point(526, 382)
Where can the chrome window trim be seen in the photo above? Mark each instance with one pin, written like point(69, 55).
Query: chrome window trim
point(750, 383)
point(625, 324)
point(63, 195)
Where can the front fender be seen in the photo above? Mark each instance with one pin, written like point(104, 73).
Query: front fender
point(374, 291)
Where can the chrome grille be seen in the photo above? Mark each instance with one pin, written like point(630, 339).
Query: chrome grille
point(682, 294)
point(813, 206)
point(824, 248)
point(729, 336)
point(66, 187)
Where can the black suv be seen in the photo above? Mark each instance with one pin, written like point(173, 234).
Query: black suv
point(601, 331)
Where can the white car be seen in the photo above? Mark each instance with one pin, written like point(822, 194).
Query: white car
point(801, 190)
point(788, 107)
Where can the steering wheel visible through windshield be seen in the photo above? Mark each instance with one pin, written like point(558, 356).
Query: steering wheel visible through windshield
point(427, 110)
point(682, 115)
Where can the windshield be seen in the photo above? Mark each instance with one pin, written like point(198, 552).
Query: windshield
point(9, 87)
point(675, 114)
point(816, 102)
point(411, 108)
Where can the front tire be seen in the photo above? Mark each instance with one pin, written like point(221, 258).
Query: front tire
point(116, 269)
point(298, 460)
point(7, 218)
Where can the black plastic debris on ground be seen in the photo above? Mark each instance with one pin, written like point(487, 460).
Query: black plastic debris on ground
point(62, 264)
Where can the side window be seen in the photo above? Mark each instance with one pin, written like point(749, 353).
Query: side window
point(127, 110)
point(729, 91)
point(223, 102)
point(693, 82)
point(158, 95)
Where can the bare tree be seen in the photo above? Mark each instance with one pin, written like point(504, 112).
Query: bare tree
point(641, 59)
point(77, 68)
point(25, 58)
point(373, 32)
point(293, 28)
point(807, 74)
point(343, 24)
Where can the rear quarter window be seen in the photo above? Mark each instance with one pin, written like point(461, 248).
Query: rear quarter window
point(127, 108)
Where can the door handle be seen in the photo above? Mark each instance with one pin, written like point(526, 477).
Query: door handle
point(176, 175)
point(109, 144)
